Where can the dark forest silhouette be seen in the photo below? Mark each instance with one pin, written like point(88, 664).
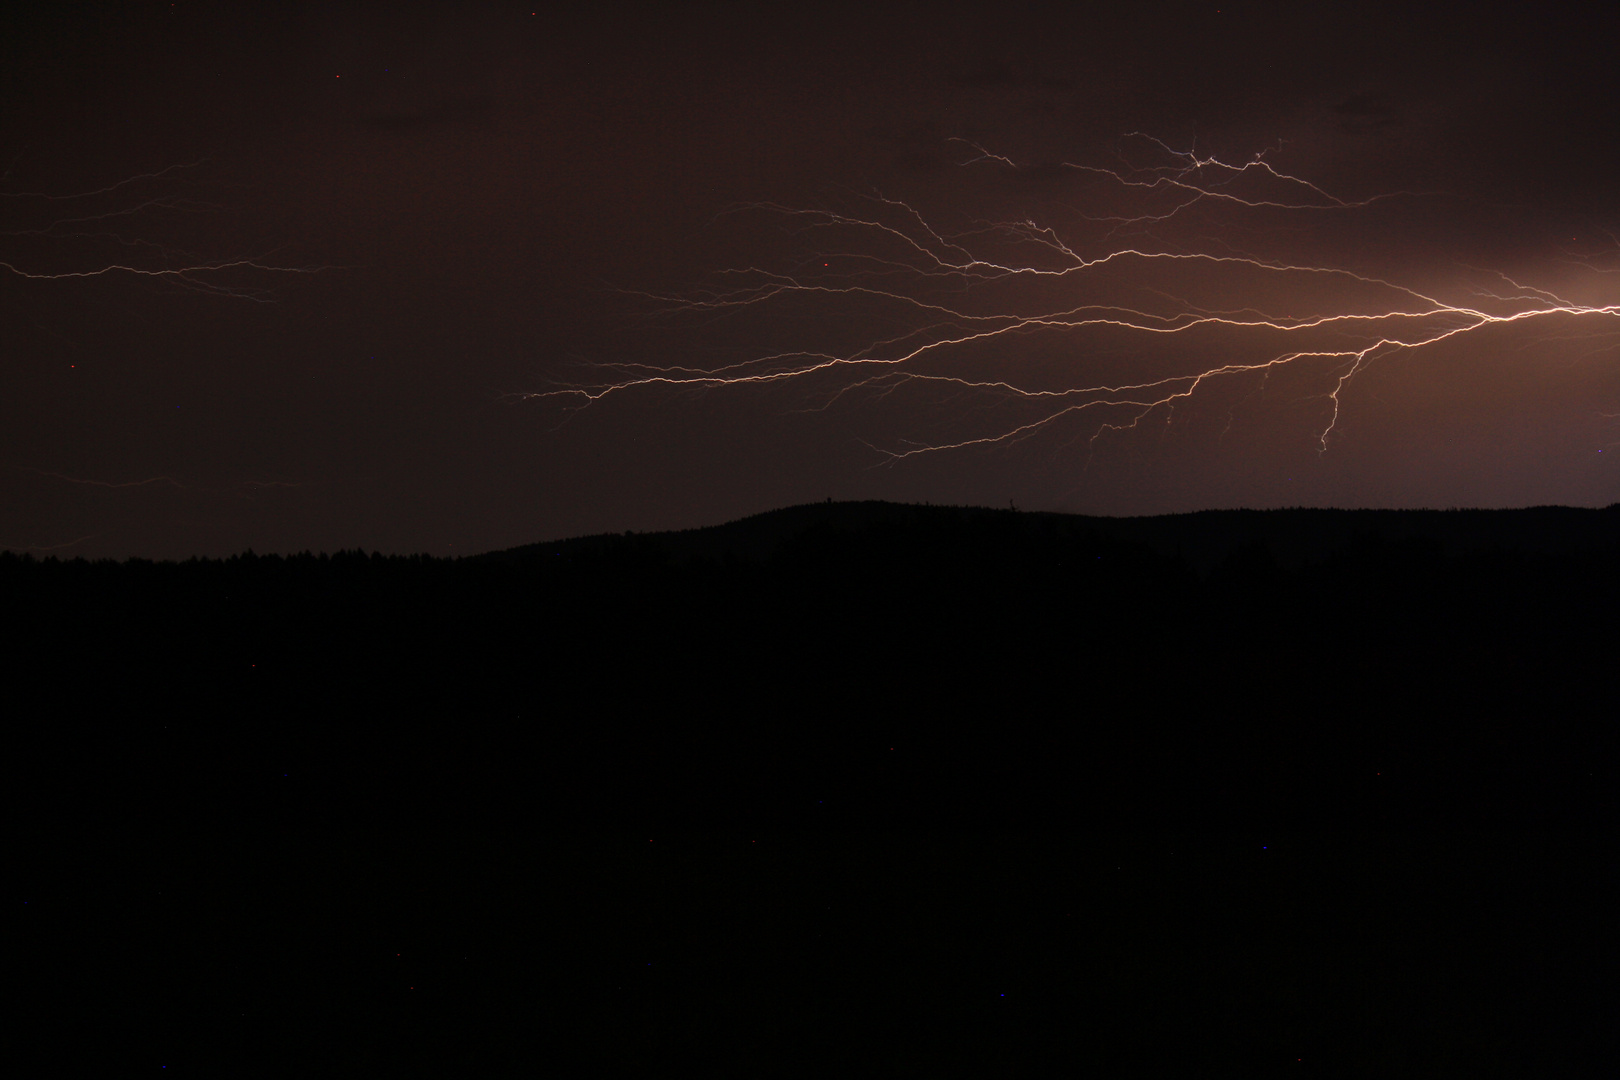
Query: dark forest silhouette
point(1035, 666)
point(834, 784)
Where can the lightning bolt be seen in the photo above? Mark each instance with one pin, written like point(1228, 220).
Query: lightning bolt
point(169, 480)
point(46, 547)
point(959, 309)
point(185, 269)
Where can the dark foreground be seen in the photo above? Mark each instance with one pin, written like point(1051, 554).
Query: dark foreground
point(844, 787)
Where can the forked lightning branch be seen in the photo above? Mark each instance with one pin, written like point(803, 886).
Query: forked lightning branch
point(1170, 255)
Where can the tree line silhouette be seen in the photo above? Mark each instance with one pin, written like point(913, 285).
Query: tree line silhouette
point(838, 782)
point(1028, 667)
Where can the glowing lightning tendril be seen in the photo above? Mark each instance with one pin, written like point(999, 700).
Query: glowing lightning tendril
point(932, 286)
point(182, 268)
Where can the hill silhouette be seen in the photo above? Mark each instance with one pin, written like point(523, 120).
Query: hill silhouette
point(1347, 666)
point(836, 781)
point(1203, 538)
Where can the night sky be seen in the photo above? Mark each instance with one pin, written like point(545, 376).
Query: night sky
point(307, 277)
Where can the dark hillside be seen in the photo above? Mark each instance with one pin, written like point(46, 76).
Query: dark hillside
point(927, 786)
point(1361, 669)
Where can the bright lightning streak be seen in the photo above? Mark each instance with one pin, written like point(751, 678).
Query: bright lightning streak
point(956, 303)
point(169, 480)
point(112, 231)
point(188, 276)
point(46, 547)
point(128, 180)
point(185, 269)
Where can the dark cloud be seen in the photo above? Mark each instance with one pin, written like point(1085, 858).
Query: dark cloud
point(469, 108)
point(1367, 112)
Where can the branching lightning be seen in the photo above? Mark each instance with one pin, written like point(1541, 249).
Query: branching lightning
point(162, 262)
point(1165, 286)
point(168, 480)
point(120, 229)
